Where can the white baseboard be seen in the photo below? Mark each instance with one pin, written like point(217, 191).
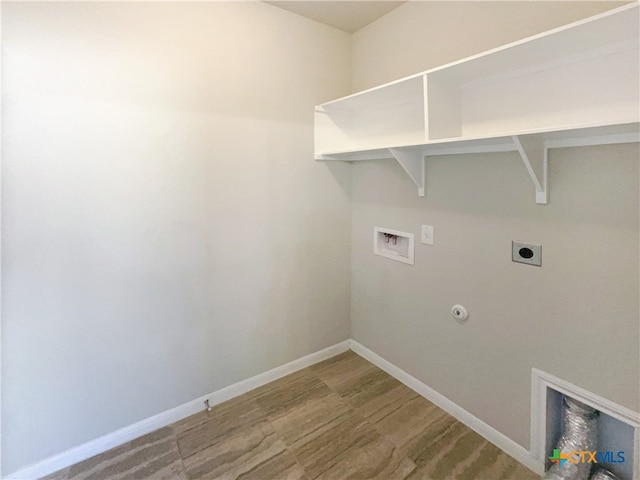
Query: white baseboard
point(500, 440)
point(126, 434)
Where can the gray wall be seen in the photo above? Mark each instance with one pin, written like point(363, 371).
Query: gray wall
point(166, 231)
point(576, 317)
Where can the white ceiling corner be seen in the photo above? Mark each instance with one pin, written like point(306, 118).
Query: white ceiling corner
point(348, 16)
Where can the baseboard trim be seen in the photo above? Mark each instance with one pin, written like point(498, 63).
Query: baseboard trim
point(500, 440)
point(126, 434)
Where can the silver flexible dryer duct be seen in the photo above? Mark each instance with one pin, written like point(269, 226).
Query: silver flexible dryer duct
point(602, 474)
point(578, 434)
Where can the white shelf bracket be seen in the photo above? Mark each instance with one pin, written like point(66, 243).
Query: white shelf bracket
point(535, 156)
point(412, 161)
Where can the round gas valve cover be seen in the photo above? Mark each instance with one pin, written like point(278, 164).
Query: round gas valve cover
point(459, 312)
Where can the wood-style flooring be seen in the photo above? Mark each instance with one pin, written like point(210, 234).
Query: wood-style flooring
point(342, 418)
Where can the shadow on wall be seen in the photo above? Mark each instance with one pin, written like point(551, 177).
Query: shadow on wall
point(592, 185)
point(342, 172)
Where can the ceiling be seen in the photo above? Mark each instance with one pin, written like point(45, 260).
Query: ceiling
point(348, 16)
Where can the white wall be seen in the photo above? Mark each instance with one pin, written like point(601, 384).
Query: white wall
point(166, 232)
point(576, 317)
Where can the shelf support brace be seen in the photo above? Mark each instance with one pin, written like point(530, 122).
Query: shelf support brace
point(412, 161)
point(535, 156)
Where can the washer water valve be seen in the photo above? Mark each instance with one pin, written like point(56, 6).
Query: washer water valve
point(459, 312)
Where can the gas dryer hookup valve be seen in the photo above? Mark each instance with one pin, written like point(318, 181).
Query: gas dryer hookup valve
point(459, 312)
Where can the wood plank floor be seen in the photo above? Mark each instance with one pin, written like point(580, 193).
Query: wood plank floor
point(343, 418)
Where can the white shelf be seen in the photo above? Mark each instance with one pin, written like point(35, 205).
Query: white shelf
point(575, 85)
point(611, 31)
point(380, 117)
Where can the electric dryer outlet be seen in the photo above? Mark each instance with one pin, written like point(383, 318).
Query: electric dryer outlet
point(528, 253)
